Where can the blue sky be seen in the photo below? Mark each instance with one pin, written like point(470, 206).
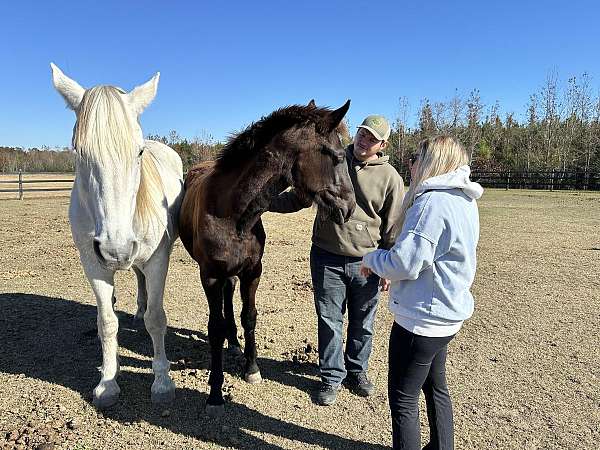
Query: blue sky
point(225, 64)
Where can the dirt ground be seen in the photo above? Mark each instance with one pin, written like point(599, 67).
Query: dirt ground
point(524, 371)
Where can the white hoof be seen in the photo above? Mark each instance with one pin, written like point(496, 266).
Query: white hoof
point(106, 394)
point(253, 378)
point(163, 391)
point(163, 398)
point(215, 410)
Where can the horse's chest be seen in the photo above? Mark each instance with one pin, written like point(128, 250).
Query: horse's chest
point(229, 253)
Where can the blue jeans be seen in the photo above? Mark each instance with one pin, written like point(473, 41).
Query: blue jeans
point(338, 285)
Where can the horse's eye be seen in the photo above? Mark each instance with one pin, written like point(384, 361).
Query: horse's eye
point(336, 157)
point(141, 152)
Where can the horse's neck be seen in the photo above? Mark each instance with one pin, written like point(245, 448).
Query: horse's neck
point(258, 184)
point(260, 203)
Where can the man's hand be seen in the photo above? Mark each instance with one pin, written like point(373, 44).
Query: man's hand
point(385, 284)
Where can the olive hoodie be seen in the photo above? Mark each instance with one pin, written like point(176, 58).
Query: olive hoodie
point(379, 191)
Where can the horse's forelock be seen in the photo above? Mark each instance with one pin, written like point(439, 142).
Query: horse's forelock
point(103, 132)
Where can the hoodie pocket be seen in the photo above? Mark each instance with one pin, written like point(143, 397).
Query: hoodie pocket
point(359, 235)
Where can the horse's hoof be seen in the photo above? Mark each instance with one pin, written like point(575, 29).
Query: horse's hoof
point(235, 351)
point(105, 401)
point(253, 378)
point(163, 398)
point(215, 410)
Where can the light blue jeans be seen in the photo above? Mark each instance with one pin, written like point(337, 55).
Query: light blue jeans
point(338, 285)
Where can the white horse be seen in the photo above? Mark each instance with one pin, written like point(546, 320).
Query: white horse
point(123, 214)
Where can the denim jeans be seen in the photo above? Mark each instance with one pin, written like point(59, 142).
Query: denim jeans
point(419, 363)
point(338, 285)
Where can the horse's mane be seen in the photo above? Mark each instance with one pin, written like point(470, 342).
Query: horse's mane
point(243, 145)
point(104, 135)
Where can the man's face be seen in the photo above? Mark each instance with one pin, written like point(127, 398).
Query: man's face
point(366, 145)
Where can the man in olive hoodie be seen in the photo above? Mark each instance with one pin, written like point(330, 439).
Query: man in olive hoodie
point(335, 261)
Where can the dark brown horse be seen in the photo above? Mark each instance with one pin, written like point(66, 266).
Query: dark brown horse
point(220, 223)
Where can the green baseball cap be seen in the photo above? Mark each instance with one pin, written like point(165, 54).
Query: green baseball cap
point(378, 126)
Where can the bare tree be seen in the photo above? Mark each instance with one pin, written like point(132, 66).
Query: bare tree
point(439, 115)
point(456, 106)
point(402, 126)
point(474, 108)
point(551, 119)
point(426, 122)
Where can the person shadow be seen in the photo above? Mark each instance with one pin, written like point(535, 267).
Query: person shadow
point(46, 337)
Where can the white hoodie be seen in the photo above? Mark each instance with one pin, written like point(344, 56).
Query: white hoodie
point(432, 264)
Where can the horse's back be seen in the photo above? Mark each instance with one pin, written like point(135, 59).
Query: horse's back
point(198, 174)
point(168, 158)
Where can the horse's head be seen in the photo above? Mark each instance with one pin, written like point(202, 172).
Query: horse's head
point(109, 145)
point(320, 172)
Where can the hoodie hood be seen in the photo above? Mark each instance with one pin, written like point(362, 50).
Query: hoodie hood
point(457, 179)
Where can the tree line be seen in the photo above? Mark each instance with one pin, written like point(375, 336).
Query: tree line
point(559, 130)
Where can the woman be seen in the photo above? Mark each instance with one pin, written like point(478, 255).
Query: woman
point(431, 267)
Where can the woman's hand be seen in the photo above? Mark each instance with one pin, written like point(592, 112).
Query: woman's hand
point(365, 271)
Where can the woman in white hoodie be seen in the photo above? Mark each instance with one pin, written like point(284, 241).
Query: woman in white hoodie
point(431, 267)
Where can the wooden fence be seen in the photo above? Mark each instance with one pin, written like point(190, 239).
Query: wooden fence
point(544, 180)
point(22, 183)
point(19, 183)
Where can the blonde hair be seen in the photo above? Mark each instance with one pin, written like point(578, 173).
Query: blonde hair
point(104, 135)
point(435, 156)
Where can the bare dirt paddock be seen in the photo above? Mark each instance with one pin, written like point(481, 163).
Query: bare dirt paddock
point(524, 372)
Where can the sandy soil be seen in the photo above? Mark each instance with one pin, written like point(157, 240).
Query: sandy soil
point(524, 372)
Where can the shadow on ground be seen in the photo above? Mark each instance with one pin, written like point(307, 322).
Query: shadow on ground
point(45, 337)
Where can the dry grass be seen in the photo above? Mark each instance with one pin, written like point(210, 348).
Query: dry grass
point(524, 371)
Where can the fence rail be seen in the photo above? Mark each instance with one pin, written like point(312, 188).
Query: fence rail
point(544, 180)
point(21, 183)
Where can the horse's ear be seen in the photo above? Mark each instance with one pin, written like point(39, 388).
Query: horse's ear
point(70, 90)
point(334, 118)
point(143, 95)
point(312, 103)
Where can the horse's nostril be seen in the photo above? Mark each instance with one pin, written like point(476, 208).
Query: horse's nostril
point(134, 249)
point(97, 251)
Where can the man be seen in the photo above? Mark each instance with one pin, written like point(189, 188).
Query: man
point(335, 261)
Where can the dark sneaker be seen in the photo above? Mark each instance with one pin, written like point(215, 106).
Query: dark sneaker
point(359, 384)
point(326, 394)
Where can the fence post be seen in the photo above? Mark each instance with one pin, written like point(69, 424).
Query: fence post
point(552, 181)
point(508, 180)
point(20, 185)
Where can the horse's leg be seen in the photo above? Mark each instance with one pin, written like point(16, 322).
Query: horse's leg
point(248, 285)
point(213, 287)
point(142, 297)
point(233, 344)
point(106, 393)
point(155, 319)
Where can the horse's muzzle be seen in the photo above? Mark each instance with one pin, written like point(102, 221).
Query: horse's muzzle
point(115, 256)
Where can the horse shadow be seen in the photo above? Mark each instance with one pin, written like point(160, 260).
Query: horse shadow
point(45, 337)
